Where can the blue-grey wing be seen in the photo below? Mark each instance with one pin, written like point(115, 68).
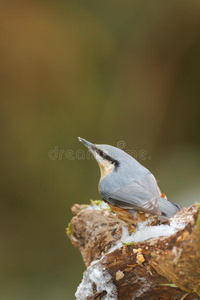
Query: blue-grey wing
point(140, 195)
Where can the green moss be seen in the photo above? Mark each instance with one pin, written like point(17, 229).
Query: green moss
point(198, 226)
point(99, 202)
point(198, 218)
point(109, 209)
point(95, 202)
point(84, 206)
point(69, 228)
point(197, 290)
point(128, 244)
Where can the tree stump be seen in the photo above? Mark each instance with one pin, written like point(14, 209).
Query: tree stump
point(164, 267)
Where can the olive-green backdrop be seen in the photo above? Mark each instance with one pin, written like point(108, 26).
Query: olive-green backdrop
point(125, 73)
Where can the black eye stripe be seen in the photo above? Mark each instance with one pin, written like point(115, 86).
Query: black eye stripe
point(106, 156)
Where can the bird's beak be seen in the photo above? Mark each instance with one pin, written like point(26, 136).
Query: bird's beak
point(86, 143)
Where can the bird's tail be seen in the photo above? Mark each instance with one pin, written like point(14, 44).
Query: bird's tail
point(168, 209)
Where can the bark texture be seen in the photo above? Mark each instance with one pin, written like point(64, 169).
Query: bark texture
point(163, 268)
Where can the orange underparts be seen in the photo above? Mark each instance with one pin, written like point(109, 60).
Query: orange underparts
point(127, 216)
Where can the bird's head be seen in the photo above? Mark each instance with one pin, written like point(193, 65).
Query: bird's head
point(108, 157)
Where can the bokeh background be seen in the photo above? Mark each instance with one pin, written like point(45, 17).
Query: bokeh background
point(107, 71)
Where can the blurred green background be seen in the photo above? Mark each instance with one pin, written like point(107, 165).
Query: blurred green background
point(107, 71)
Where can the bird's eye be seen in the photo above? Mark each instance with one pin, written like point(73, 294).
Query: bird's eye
point(101, 153)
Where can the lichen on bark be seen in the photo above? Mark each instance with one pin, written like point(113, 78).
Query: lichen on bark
point(167, 267)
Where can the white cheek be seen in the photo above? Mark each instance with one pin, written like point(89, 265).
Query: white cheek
point(98, 157)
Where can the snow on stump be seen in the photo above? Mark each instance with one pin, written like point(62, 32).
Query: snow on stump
point(148, 261)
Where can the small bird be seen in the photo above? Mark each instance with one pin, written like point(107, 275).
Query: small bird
point(127, 186)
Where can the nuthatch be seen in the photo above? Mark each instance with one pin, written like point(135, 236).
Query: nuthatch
point(127, 186)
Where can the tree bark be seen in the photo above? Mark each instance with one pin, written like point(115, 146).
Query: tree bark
point(167, 267)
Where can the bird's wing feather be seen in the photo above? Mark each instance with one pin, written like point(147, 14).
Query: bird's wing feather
point(140, 195)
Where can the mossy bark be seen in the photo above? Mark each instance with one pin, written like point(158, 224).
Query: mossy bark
point(162, 268)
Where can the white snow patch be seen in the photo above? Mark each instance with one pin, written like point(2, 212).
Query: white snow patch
point(103, 281)
point(101, 205)
point(145, 232)
point(96, 261)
